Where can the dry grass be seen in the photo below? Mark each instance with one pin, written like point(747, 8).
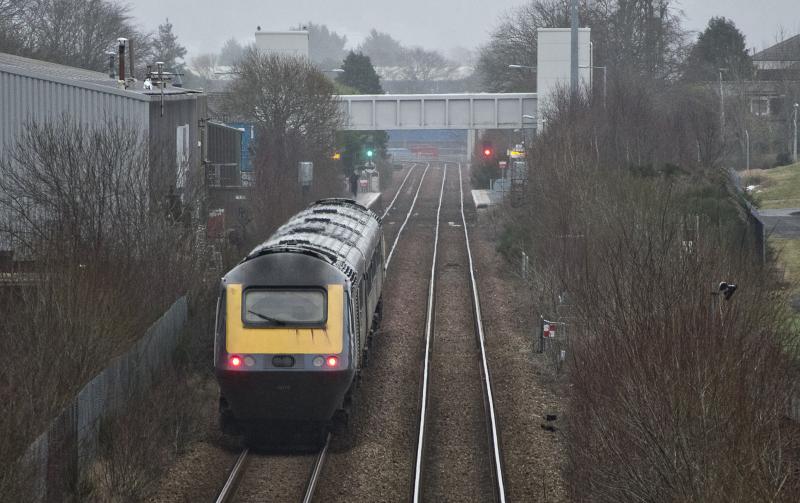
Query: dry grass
point(788, 252)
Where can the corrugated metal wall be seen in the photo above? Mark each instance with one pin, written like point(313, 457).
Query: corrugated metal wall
point(26, 99)
point(184, 110)
point(224, 144)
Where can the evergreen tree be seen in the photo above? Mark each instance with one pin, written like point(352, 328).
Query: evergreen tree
point(721, 45)
point(325, 46)
point(382, 49)
point(231, 52)
point(167, 49)
point(360, 74)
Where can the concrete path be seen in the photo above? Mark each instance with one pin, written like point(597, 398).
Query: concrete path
point(784, 222)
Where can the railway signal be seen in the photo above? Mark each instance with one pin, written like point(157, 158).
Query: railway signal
point(488, 150)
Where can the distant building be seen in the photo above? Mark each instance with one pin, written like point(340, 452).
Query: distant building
point(286, 43)
point(554, 64)
point(779, 62)
point(776, 85)
point(38, 92)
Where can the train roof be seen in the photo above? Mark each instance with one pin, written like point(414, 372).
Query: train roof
point(340, 232)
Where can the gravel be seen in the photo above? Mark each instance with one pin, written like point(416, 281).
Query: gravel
point(525, 389)
point(274, 478)
point(458, 461)
point(200, 473)
point(378, 465)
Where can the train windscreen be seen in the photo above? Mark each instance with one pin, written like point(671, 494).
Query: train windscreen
point(284, 307)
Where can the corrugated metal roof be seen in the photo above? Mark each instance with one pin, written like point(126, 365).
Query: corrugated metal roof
point(788, 50)
point(79, 77)
point(10, 62)
point(341, 231)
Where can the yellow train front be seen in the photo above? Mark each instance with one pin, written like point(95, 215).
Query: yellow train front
point(293, 322)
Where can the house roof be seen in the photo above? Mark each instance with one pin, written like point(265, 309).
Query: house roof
point(788, 50)
point(78, 77)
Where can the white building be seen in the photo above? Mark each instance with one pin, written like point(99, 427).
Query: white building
point(554, 60)
point(287, 43)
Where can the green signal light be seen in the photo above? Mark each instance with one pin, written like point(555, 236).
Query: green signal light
point(369, 153)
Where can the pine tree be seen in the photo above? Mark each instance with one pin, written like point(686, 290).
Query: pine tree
point(360, 74)
point(167, 49)
point(721, 45)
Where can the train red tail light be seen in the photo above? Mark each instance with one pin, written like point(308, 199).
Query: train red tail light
point(236, 361)
point(331, 361)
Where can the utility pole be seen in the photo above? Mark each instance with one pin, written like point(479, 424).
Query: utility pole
point(574, 44)
point(794, 151)
point(747, 135)
point(721, 106)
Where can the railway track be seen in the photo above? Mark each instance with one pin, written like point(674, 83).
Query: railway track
point(458, 428)
point(232, 485)
point(390, 206)
point(408, 214)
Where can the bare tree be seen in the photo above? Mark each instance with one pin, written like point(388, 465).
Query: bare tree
point(674, 391)
point(420, 67)
point(382, 49)
point(293, 106)
point(104, 254)
point(644, 36)
point(205, 65)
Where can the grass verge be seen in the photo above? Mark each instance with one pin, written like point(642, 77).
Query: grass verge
point(777, 188)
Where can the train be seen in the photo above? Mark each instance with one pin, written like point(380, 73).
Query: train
point(293, 323)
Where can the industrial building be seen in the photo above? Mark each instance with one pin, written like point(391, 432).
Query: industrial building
point(173, 120)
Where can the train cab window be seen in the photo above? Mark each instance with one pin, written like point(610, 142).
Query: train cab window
point(284, 307)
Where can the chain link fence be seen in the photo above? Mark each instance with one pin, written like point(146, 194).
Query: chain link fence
point(61, 455)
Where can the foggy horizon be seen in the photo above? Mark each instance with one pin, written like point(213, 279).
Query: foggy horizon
point(444, 25)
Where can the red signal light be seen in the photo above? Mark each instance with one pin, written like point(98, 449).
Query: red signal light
point(331, 361)
point(236, 361)
point(487, 152)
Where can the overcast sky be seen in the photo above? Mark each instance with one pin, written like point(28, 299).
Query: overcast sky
point(203, 25)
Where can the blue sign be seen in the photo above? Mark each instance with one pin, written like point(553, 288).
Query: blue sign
point(248, 144)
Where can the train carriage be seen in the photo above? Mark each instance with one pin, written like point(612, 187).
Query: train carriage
point(294, 318)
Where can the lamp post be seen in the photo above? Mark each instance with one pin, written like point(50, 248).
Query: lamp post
point(794, 151)
point(523, 67)
point(335, 71)
point(605, 80)
point(747, 137)
point(722, 104)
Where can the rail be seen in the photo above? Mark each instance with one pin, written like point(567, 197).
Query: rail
point(494, 443)
point(494, 433)
point(418, 461)
point(228, 491)
point(408, 215)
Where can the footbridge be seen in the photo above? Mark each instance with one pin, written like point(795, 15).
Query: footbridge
point(371, 112)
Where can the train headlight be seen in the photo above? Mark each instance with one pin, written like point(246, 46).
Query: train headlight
point(318, 361)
